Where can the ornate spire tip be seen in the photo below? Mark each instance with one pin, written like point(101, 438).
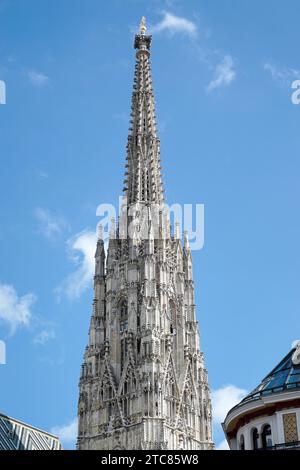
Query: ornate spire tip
point(143, 27)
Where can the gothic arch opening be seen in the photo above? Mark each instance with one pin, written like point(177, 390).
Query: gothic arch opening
point(123, 326)
point(123, 315)
point(173, 317)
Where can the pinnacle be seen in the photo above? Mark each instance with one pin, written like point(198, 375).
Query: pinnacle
point(143, 181)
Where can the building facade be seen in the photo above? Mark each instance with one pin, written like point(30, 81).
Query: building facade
point(15, 435)
point(143, 382)
point(269, 417)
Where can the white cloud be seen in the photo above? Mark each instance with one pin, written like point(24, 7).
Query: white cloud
point(224, 74)
point(223, 399)
point(44, 337)
point(174, 24)
point(81, 249)
point(223, 445)
point(282, 75)
point(275, 73)
point(295, 343)
point(37, 78)
point(42, 175)
point(50, 226)
point(67, 433)
point(15, 311)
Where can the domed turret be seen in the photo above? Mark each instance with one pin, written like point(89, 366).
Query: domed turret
point(269, 416)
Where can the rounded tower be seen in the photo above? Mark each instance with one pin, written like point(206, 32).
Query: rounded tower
point(269, 417)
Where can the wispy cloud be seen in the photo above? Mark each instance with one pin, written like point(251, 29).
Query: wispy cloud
point(224, 74)
point(81, 249)
point(42, 174)
point(67, 433)
point(15, 310)
point(50, 225)
point(44, 337)
point(37, 79)
point(223, 399)
point(283, 76)
point(222, 64)
point(173, 24)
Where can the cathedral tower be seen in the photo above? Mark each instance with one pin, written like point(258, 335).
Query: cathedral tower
point(143, 382)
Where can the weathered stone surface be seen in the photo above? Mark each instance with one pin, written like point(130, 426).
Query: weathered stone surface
point(143, 383)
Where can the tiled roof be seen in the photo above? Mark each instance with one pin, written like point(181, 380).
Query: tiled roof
point(15, 435)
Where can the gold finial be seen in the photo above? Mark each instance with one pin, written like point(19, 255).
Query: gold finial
point(143, 27)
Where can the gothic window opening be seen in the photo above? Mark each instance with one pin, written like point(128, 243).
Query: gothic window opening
point(123, 316)
point(186, 414)
point(109, 411)
point(108, 392)
point(143, 185)
point(193, 419)
point(125, 407)
point(173, 317)
point(192, 399)
point(123, 353)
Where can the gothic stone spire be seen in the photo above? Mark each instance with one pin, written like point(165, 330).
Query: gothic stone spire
point(143, 382)
point(143, 182)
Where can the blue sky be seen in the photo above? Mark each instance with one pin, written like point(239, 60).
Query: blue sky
point(229, 139)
